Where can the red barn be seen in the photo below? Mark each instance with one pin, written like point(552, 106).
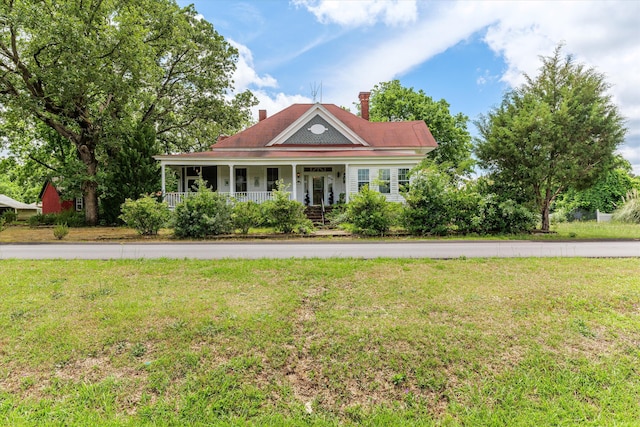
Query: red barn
point(51, 202)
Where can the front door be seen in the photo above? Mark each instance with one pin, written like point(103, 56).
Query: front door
point(318, 190)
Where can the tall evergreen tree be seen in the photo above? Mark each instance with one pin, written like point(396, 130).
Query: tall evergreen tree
point(559, 130)
point(131, 171)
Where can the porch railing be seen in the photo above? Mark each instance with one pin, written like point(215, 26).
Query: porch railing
point(174, 198)
point(254, 196)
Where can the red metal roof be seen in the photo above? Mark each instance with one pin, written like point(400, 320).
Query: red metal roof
point(376, 134)
point(388, 139)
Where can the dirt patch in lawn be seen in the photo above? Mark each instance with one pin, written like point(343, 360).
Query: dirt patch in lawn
point(25, 234)
point(44, 234)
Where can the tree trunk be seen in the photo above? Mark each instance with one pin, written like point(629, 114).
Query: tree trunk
point(90, 186)
point(90, 191)
point(545, 214)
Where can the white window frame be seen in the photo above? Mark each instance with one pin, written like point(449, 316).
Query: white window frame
point(403, 182)
point(384, 183)
point(365, 180)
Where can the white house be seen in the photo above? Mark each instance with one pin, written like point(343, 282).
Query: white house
point(320, 151)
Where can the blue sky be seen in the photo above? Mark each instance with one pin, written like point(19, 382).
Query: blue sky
point(467, 52)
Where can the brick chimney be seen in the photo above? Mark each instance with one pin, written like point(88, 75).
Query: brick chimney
point(262, 114)
point(364, 104)
point(220, 138)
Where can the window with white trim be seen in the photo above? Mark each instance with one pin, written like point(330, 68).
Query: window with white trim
point(363, 178)
point(384, 178)
point(403, 179)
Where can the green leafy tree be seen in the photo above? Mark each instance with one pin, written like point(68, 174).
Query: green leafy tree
point(9, 188)
point(30, 164)
point(605, 195)
point(390, 101)
point(504, 207)
point(95, 70)
point(559, 130)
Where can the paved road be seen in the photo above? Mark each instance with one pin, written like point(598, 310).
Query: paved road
point(416, 249)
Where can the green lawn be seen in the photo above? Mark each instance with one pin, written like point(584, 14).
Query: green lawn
point(595, 230)
point(320, 342)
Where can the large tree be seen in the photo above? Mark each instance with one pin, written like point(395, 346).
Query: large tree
point(96, 70)
point(390, 101)
point(558, 130)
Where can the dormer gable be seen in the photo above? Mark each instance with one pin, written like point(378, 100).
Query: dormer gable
point(317, 126)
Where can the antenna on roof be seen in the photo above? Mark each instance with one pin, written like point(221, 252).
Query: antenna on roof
point(314, 91)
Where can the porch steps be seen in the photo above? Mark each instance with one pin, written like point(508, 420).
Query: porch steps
point(314, 213)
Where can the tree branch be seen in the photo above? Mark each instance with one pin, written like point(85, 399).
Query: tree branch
point(177, 126)
point(43, 164)
point(163, 87)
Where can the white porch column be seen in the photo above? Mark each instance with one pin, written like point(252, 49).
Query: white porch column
point(164, 187)
point(346, 182)
point(232, 180)
point(294, 181)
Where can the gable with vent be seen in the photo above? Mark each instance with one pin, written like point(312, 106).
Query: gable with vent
point(318, 127)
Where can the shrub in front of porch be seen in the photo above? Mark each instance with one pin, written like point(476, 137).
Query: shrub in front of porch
point(246, 215)
point(436, 205)
point(145, 215)
point(285, 215)
point(369, 213)
point(203, 214)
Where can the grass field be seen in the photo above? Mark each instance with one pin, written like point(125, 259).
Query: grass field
point(320, 342)
point(595, 230)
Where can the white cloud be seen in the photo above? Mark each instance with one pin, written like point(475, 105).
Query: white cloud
point(362, 12)
point(600, 34)
point(246, 77)
point(437, 30)
point(485, 77)
point(274, 103)
point(318, 41)
point(245, 74)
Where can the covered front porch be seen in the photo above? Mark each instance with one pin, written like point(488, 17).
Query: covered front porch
point(312, 185)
